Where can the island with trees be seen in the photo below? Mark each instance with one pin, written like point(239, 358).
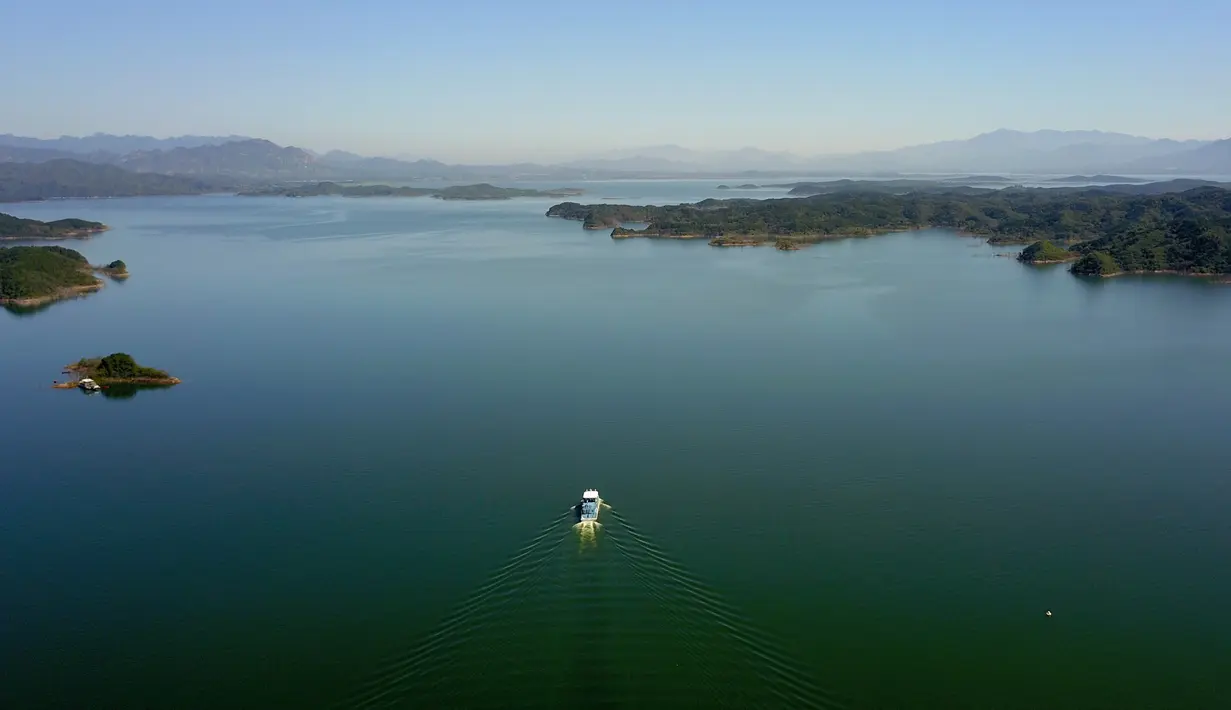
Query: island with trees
point(116, 369)
point(1105, 231)
point(18, 229)
point(32, 276)
point(116, 269)
point(481, 191)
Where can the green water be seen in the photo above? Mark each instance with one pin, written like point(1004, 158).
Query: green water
point(854, 475)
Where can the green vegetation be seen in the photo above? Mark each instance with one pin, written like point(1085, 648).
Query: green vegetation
point(120, 368)
point(116, 270)
point(74, 178)
point(786, 244)
point(482, 191)
point(1186, 242)
point(1187, 232)
point(33, 275)
point(1095, 263)
point(14, 228)
point(1045, 252)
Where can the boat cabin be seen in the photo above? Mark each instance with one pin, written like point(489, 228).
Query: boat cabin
point(589, 505)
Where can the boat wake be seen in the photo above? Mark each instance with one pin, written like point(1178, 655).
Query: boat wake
point(617, 622)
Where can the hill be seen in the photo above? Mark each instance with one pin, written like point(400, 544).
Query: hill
point(33, 275)
point(1017, 151)
point(1209, 159)
point(1045, 252)
point(73, 178)
point(1182, 232)
point(247, 159)
point(118, 368)
point(19, 154)
point(1165, 235)
point(14, 228)
point(1159, 188)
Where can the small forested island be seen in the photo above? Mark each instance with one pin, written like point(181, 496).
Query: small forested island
point(114, 369)
point(31, 276)
point(1106, 232)
point(116, 269)
point(481, 191)
point(15, 229)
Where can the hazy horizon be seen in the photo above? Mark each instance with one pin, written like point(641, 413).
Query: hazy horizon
point(547, 81)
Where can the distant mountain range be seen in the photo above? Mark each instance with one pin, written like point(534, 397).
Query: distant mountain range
point(251, 158)
point(107, 143)
point(1037, 152)
point(1001, 151)
point(1021, 152)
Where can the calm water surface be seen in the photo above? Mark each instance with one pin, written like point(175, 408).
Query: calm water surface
point(884, 459)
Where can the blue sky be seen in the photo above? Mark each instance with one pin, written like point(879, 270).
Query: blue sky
point(541, 79)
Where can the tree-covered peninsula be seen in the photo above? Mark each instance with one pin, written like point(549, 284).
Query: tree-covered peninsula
point(17, 229)
point(1178, 243)
point(1182, 232)
point(1045, 252)
point(30, 276)
point(481, 191)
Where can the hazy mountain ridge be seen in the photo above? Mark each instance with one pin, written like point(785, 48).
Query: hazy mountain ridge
point(109, 143)
point(1001, 151)
point(253, 158)
point(1209, 158)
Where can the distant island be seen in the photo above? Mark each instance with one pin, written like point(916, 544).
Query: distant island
point(1098, 178)
point(16, 229)
point(68, 178)
point(481, 191)
point(745, 186)
point(1106, 232)
point(31, 276)
point(116, 369)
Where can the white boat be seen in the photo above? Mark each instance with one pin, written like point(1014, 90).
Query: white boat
point(88, 385)
point(588, 508)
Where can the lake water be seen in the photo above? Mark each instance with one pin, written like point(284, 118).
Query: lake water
point(856, 475)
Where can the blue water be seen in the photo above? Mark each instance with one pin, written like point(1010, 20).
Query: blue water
point(890, 455)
